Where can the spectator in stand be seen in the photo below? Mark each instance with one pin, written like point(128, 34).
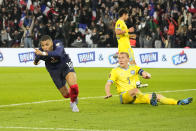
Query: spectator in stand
point(142, 29)
point(181, 36)
point(148, 41)
point(194, 30)
point(66, 30)
point(27, 35)
point(16, 39)
point(158, 38)
point(190, 37)
point(171, 32)
point(4, 38)
point(71, 13)
point(76, 38)
point(88, 38)
point(36, 37)
point(95, 37)
point(43, 28)
point(9, 37)
point(77, 43)
point(59, 32)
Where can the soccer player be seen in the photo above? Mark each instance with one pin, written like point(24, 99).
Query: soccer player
point(60, 68)
point(124, 79)
point(122, 35)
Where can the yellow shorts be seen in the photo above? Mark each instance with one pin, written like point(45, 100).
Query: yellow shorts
point(129, 51)
point(125, 98)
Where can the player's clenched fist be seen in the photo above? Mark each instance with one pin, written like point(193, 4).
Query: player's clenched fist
point(39, 52)
point(146, 75)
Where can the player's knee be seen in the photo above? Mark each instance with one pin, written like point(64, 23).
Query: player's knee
point(134, 91)
point(71, 78)
point(159, 96)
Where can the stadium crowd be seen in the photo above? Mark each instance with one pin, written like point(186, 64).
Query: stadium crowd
point(90, 23)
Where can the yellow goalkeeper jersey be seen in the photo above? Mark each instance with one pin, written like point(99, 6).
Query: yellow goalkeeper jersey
point(124, 79)
point(123, 39)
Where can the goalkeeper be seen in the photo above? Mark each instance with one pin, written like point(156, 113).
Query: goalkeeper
point(124, 79)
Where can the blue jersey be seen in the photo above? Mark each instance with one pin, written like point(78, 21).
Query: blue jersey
point(56, 59)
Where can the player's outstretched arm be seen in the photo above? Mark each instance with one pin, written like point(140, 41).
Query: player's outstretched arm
point(146, 75)
point(36, 62)
point(41, 53)
point(57, 52)
point(38, 54)
point(107, 90)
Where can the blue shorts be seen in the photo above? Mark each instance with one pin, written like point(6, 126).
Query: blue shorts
point(58, 76)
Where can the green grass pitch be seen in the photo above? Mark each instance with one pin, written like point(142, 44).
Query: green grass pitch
point(27, 85)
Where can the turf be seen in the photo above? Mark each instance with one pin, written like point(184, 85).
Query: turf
point(25, 85)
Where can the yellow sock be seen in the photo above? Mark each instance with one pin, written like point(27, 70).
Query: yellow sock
point(168, 101)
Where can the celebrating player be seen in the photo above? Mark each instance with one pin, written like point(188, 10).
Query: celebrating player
point(60, 68)
point(124, 79)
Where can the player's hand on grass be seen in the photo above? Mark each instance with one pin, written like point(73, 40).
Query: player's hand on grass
point(108, 96)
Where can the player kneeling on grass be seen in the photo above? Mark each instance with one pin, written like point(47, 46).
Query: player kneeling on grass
point(124, 79)
point(60, 68)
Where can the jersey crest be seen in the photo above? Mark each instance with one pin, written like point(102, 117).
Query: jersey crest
point(58, 44)
point(54, 60)
point(132, 72)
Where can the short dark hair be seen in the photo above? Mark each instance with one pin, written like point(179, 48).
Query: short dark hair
point(45, 37)
point(122, 11)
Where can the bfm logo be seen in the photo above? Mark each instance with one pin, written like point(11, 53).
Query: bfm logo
point(86, 57)
point(1, 57)
point(113, 59)
point(179, 58)
point(149, 57)
point(26, 57)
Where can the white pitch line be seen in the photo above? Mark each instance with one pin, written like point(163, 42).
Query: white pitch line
point(61, 129)
point(84, 98)
point(173, 91)
point(38, 102)
point(10, 105)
